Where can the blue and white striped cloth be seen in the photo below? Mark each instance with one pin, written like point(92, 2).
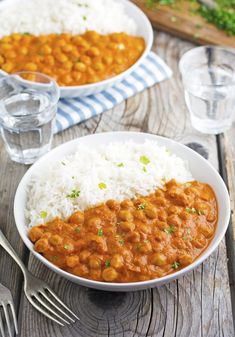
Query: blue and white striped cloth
point(72, 111)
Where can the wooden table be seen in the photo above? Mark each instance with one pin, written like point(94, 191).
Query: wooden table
point(198, 304)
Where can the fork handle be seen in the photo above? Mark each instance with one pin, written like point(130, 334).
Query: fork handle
point(7, 246)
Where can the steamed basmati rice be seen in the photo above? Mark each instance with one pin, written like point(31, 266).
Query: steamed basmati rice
point(117, 171)
point(41, 17)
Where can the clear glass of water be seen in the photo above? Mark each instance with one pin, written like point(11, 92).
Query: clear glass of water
point(208, 75)
point(28, 104)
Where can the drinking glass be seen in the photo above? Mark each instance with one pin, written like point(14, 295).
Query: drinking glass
point(208, 75)
point(28, 104)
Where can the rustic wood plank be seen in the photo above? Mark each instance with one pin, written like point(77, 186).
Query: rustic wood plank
point(198, 304)
point(178, 21)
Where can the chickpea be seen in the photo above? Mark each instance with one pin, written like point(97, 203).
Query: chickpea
point(145, 229)
point(67, 48)
point(117, 261)
point(161, 201)
point(126, 226)
point(1, 59)
point(174, 220)
point(93, 51)
point(94, 222)
point(6, 46)
point(151, 212)
point(133, 237)
point(109, 274)
point(41, 245)
point(72, 261)
point(174, 210)
point(56, 240)
point(46, 49)
point(10, 55)
point(185, 259)
point(108, 59)
point(80, 67)
point(162, 215)
point(119, 60)
point(158, 259)
point(145, 247)
point(6, 39)
point(211, 216)
point(139, 214)
point(60, 43)
point(77, 218)
point(23, 50)
point(49, 59)
point(199, 242)
point(113, 204)
point(8, 67)
point(68, 65)
point(16, 36)
point(94, 262)
point(30, 66)
point(125, 215)
point(68, 79)
point(127, 204)
point(83, 256)
point(61, 57)
point(98, 66)
point(206, 230)
point(85, 59)
point(35, 233)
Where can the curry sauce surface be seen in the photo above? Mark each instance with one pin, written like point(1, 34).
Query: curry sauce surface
point(135, 240)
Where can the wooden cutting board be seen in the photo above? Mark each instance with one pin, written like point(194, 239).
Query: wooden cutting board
point(183, 22)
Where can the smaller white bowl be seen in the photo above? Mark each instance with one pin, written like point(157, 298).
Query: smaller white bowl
point(200, 168)
point(144, 29)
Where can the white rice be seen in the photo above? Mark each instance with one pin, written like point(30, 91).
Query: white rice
point(40, 17)
point(117, 165)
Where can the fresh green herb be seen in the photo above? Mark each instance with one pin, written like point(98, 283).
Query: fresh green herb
point(170, 229)
point(144, 160)
point(84, 18)
point(77, 230)
point(164, 179)
point(194, 211)
point(73, 177)
point(75, 194)
point(145, 169)
point(102, 186)
point(100, 232)
point(175, 265)
point(43, 214)
point(187, 184)
point(107, 263)
point(146, 241)
point(78, 60)
point(141, 206)
point(120, 165)
point(121, 241)
point(68, 247)
point(26, 33)
point(54, 258)
point(63, 163)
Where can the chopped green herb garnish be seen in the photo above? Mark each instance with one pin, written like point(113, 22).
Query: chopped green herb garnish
point(73, 177)
point(68, 247)
point(26, 33)
point(146, 241)
point(107, 263)
point(170, 229)
point(100, 232)
point(144, 160)
point(63, 163)
point(120, 165)
point(102, 186)
point(74, 194)
point(54, 258)
point(78, 60)
point(187, 184)
point(43, 214)
point(175, 265)
point(141, 206)
point(193, 211)
point(84, 18)
point(121, 242)
point(77, 230)
point(145, 169)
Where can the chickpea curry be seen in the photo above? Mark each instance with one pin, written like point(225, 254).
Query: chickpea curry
point(71, 59)
point(133, 240)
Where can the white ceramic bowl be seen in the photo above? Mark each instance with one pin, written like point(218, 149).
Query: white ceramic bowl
point(144, 29)
point(201, 170)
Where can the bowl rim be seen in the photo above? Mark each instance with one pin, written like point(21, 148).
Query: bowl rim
point(127, 286)
point(114, 79)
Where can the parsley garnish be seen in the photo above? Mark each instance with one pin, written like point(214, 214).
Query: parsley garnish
point(43, 214)
point(170, 229)
point(107, 263)
point(68, 247)
point(63, 163)
point(75, 194)
point(102, 186)
point(144, 169)
point(175, 265)
point(84, 17)
point(120, 165)
point(193, 211)
point(121, 242)
point(100, 232)
point(141, 206)
point(77, 229)
point(144, 160)
point(54, 258)
point(26, 33)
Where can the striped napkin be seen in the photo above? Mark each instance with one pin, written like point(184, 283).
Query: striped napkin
point(72, 111)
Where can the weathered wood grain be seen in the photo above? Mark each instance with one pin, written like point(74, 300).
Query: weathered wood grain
point(197, 305)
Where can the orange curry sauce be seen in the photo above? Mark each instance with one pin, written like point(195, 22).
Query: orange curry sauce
point(71, 59)
point(135, 240)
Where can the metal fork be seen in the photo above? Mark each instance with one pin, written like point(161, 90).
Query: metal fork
point(39, 293)
point(6, 303)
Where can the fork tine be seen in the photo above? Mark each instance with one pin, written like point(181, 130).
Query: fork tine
point(64, 305)
point(43, 311)
point(1, 327)
point(14, 317)
point(43, 293)
point(45, 305)
point(7, 320)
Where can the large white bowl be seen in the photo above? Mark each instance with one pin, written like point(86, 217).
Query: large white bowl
point(201, 170)
point(144, 29)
